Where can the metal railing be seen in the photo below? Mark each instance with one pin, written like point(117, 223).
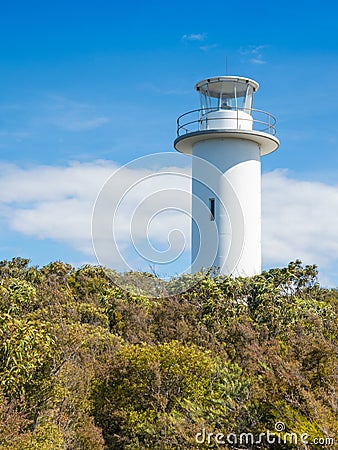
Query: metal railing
point(197, 120)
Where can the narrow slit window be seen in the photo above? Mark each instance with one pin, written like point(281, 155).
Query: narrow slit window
point(212, 208)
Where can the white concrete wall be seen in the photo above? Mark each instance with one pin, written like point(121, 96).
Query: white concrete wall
point(227, 120)
point(236, 187)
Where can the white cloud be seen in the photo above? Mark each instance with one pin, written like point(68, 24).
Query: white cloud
point(53, 202)
point(48, 183)
point(257, 61)
point(57, 203)
point(299, 220)
point(199, 38)
point(195, 37)
point(254, 53)
point(207, 48)
point(299, 217)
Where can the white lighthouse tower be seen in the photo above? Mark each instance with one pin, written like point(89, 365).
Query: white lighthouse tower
point(226, 138)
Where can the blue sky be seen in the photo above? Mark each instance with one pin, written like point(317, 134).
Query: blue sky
point(89, 86)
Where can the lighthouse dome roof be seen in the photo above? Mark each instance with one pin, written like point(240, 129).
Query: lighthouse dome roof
point(216, 86)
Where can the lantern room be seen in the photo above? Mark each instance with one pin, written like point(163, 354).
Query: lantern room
point(226, 103)
point(226, 93)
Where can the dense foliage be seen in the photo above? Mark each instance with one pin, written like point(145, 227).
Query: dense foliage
point(85, 365)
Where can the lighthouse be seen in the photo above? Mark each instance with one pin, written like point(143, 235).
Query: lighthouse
point(226, 137)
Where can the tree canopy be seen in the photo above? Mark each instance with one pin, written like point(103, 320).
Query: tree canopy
point(86, 365)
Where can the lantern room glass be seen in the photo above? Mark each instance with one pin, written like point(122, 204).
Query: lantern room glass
point(226, 94)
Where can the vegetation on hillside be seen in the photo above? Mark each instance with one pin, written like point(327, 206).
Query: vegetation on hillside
point(85, 365)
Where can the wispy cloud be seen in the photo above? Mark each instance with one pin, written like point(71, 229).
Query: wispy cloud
point(80, 124)
point(16, 134)
point(48, 110)
point(207, 48)
point(254, 53)
point(71, 115)
point(200, 37)
point(168, 91)
point(257, 61)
